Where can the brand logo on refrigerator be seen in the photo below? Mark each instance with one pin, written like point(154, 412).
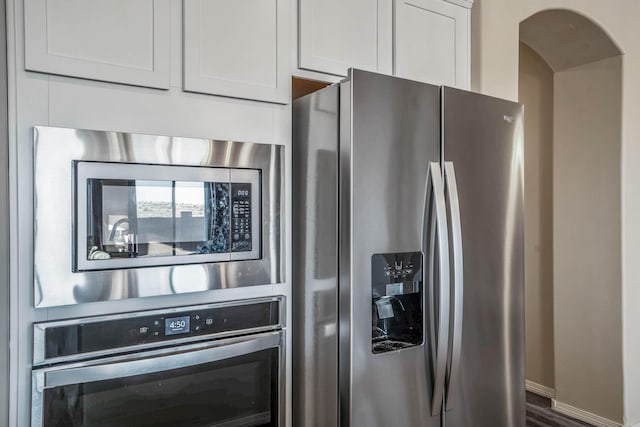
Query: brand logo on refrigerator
point(508, 119)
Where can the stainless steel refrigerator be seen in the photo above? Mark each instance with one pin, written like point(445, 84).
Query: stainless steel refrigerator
point(408, 266)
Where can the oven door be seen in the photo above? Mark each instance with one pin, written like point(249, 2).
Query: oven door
point(233, 382)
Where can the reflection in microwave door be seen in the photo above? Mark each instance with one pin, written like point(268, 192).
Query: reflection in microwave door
point(94, 253)
point(188, 278)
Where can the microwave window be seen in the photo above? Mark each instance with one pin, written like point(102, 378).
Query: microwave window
point(151, 218)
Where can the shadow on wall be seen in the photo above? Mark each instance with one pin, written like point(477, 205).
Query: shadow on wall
point(572, 211)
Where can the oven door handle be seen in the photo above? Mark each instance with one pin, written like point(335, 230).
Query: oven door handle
point(161, 362)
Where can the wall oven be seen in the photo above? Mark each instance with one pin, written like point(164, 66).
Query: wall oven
point(126, 215)
point(210, 365)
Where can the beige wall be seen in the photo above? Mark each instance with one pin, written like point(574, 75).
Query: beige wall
point(586, 200)
point(494, 71)
point(536, 93)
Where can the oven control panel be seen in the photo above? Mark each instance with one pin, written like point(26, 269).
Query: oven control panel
point(88, 335)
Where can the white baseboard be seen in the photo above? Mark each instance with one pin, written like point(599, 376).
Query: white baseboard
point(540, 389)
point(582, 415)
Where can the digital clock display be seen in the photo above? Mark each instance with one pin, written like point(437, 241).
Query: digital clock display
point(176, 325)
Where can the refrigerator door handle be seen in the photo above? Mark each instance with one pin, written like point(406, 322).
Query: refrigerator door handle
point(453, 362)
point(438, 301)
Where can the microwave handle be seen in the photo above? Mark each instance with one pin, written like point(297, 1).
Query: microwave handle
point(160, 363)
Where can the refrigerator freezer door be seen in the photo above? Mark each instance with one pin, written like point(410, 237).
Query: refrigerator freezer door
point(389, 132)
point(483, 138)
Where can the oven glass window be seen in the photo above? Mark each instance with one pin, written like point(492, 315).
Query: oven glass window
point(152, 218)
point(241, 391)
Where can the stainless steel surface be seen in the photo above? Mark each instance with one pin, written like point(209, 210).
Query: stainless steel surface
point(55, 150)
point(483, 137)
point(315, 269)
point(4, 225)
point(438, 283)
point(389, 132)
point(457, 290)
point(39, 330)
point(157, 361)
point(162, 360)
point(87, 170)
point(345, 228)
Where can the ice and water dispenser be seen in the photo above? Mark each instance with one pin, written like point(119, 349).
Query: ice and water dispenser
point(397, 301)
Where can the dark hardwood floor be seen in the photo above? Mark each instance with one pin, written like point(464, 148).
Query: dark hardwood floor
point(540, 414)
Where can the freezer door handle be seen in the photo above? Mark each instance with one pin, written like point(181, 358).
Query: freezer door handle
point(436, 239)
point(453, 359)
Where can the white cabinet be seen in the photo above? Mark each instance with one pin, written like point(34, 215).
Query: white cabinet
point(119, 41)
point(337, 34)
point(431, 42)
point(233, 48)
point(426, 40)
point(237, 48)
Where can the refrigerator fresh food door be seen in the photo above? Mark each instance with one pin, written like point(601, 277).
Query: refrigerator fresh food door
point(483, 141)
point(389, 133)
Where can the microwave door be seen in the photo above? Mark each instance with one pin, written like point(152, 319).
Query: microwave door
point(150, 215)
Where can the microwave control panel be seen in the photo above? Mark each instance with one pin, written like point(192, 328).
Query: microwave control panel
point(241, 217)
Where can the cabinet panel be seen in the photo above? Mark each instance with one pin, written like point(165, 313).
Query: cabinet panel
point(337, 34)
point(173, 112)
point(237, 48)
point(117, 40)
point(431, 42)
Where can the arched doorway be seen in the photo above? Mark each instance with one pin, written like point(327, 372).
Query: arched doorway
point(570, 82)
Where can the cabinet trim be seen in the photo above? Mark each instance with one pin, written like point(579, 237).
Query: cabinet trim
point(38, 58)
point(464, 3)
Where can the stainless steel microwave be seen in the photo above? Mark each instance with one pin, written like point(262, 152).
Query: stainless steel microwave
point(127, 215)
point(133, 215)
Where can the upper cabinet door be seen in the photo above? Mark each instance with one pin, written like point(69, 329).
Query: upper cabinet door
point(335, 35)
point(237, 48)
point(119, 41)
point(431, 41)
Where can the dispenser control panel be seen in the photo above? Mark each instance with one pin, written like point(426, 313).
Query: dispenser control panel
point(396, 274)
